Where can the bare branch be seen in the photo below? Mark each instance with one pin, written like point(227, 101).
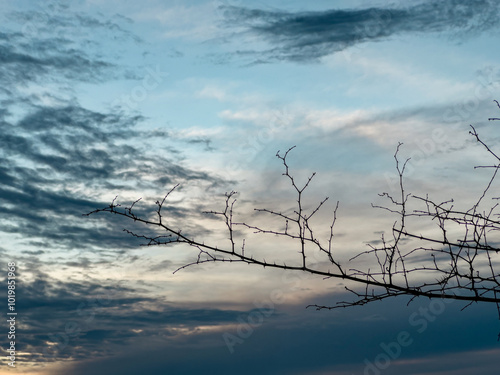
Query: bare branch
point(457, 258)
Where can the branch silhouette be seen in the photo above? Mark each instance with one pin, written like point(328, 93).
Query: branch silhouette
point(440, 265)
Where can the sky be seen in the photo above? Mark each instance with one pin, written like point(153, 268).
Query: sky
point(103, 100)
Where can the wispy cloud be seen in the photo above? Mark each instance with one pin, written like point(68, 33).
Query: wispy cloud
point(308, 36)
point(60, 163)
point(60, 159)
point(57, 43)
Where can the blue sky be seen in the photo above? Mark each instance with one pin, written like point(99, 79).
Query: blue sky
point(100, 99)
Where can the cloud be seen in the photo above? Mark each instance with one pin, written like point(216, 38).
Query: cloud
point(17, 66)
point(161, 266)
point(60, 159)
point(78, 319)
point(58, 163)
point(309, 36)
point(299, 342)
point(54, 44)
point(186, 21)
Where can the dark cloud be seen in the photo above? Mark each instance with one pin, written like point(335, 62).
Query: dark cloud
point(58, 17)
point(53, 43)
point(51, 150)
point(308, 36)
point(204, 141)
point(300, 342)
point(58, 160)
point(17, 66)
point(83, 318)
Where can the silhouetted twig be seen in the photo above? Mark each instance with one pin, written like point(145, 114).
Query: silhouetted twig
point(438, 265)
